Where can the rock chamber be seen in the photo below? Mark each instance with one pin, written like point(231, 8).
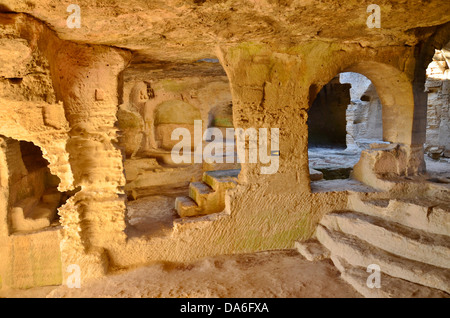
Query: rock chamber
point(88, 114)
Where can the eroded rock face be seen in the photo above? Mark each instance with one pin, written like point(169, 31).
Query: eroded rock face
point(190, 30)
point(157, 100)
point(364, 113)
point(47, 104)
point(100, 102)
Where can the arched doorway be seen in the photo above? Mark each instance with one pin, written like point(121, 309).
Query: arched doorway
point(344, 119)
point(401, 151)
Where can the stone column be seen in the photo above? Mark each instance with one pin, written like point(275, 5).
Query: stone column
point(268, 92)
point(85, 79)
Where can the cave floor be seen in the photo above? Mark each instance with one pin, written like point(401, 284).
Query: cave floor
point(329, 158)
point(338, 158)
point(267, 274)
point(152, 215)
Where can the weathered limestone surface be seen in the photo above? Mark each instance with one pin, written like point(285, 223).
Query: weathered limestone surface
point(151, 102)
point(403, 241)
point(364, 113)
point(432, 216)
point(53, 105)
point(392, 287)
point(406, 238)
point(67, 91)
point(156, 100)
point(36, 260)
point(438, 111)
point(179, 30)
point(312, 250)
point(208, 195)
point(382, 161)
point(361, 254)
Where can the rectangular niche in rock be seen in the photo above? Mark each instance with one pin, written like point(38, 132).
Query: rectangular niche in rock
point(32, 191)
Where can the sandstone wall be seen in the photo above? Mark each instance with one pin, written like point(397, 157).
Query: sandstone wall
point(438, 111)
point(154, 103)
point(64, 96)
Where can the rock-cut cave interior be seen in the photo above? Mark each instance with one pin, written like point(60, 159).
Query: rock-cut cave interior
point(244, 149)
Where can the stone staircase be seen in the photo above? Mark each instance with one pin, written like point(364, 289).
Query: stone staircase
point(408, 240)
point(208, 196)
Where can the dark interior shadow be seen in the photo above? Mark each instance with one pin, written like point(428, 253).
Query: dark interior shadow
point(4, 9)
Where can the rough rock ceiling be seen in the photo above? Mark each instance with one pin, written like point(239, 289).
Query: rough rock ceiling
point(188, 30)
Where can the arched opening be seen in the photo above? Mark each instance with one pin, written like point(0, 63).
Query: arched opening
point(395, 92)
point(344, 119)
point(156, 104)
point(33, 196)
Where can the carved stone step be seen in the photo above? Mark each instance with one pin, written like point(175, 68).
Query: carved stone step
point(392, 237)
point(390, 287)
point(312, 250)
point(208, 196)
point(221, 179)
point(185, 207)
